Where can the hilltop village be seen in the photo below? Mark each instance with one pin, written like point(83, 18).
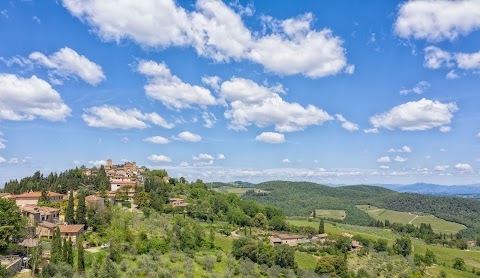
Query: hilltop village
point(129, 221)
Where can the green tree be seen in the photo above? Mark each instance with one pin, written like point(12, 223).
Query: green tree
point(478, 240)
point(380, 245)
point(56, 251)
point(284, 256)
point(80, 217)
point(260, 220)
point(142, 199)
point(108, 269)
point(429, 257)
point(321, 227)
point(459, 264)
point(403, 246)
point(80, 255)
point(12, 226)
point(102, 180)
point(69, 213)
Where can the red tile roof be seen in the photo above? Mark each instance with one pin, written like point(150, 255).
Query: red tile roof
point(71, 228)
point(93, 198)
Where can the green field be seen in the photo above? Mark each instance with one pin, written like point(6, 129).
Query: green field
point(444, 255)
point(235, 190)
point(438, 225)
point(330, 214)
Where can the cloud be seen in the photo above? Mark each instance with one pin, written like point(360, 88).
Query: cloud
point(188, 136)
point(416, 115)
point(419, 89)
point(67, 63)
point(212, 81)
point(452, 75)
point(216, 31)
point(97, 163)
point(441, 168)
point(463, 167)
point(15, 160)
point(370, 130)
point(2, 160)
point(322, 52)
point(404, 149)
point(384, 167)
point(30, 98)
point(2, 145)
point(251, 103)
point(384, 159)
point(113, 117)
point(125, 139)
point(346, 124)
point(36, 19)
point(437, 20)
point(443, 149)
point(286, 160)
point(445, 128)
point(159, 158)
point(171, 90)
point(157, 140)
point(209, 119)
point(400, 159)
point(436, 58)
point(203, 163)
point(203, 156)
point(221, 156)
point(271, 137)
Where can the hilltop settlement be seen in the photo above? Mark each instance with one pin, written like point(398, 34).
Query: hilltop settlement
point(129, 221)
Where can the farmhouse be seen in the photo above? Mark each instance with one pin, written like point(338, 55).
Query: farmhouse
point(32, 198)
point(347, 235)
point(94, 200)
point(321, 237)
point(178, 202)
point(291, 240)
point(71, 231)
point(39, 214)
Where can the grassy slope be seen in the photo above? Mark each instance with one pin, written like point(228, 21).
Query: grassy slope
point(330, 213)
point(438, 225)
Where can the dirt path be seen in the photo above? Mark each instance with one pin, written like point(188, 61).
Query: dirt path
point(410, 222)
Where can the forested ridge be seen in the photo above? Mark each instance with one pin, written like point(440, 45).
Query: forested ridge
point(301, 198)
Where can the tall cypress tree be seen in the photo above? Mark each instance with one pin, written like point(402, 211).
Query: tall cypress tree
point(69, 213)
point(70, 252)
point(321, 227)
point(56, 251)
point(64, 257)
point(80, 255)
point(81, 210)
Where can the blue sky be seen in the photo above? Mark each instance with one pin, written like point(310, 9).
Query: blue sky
point(346, 93)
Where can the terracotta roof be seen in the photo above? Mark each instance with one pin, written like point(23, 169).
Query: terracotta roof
point(175, 199)
point(322, 235)
point(275, 239)
point(4, 195)
point(347, 235)
point(285, 237)
point(71, 228)
point(47, 225)
point(356, 244)
point(38, 194)
point(41, 210)
point(93, 198)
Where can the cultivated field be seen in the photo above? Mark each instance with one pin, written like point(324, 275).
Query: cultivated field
point(438, 225)
point(330, 214)
point(236, 190)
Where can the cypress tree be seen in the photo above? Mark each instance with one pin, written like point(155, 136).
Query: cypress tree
point(80, 255)
point(64, 257)
point(56, 251)
point(69, 213)
point(81, 210)
point(69, 252)
point(321, 227)
point(108, 269)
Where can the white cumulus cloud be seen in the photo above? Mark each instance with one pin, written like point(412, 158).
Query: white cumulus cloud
point(441, 168)
point(271, 137)
point(171, 90)
point(416, 115)
point(30, 98)
point(463, 167)
point(419, 89)
point(384, 167)
point(2, 160)
point(159, 158)
point(113, 117)
point(188, 136)
point(157, 140)
point(286, 160)
point(67, 63)
point(221, 156)
point(97, 163)
point(404, 149)
point(203, 156)
point(251, 103)
point(436, 58)
point(216, 31)
point(384, 159)
point(346, 124)
point(437, 20)
point(400, 159)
